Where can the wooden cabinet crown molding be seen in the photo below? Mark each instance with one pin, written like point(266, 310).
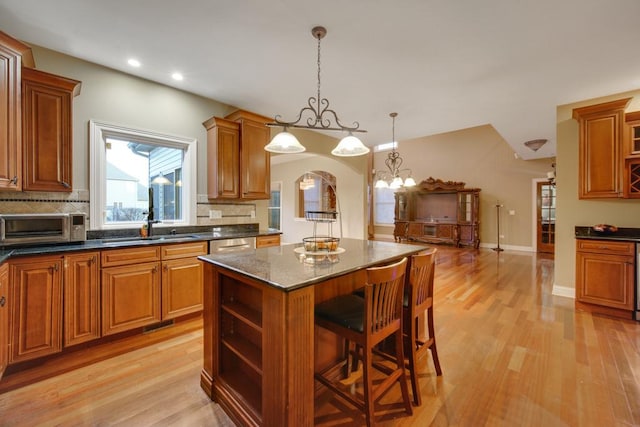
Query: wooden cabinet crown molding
point(19, 48)
point(604, 107)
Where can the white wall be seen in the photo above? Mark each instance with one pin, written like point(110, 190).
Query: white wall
point(350, 189)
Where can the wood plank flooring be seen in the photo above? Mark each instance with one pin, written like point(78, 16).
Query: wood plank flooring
point(511, 354)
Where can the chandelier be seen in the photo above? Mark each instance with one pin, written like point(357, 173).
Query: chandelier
point(318, 116)
point(393, 178)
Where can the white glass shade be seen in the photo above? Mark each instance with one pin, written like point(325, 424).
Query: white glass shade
point(350, 146)
point(284, 143)
point(396, 183)
point(409, 182)
point(381, 183)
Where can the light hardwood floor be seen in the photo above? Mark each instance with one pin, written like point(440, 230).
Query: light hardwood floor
point(511, 353)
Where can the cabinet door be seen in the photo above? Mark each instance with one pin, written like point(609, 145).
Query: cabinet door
point(266, 241)
point(36, 308)
point(223, 158)
point(600, 149)
point(4, 317)
point(130, 297)
point(181, 287)
point(81, 298)
point(605, 280)
point(47, 131)
point(10, 119)
point(255, 161)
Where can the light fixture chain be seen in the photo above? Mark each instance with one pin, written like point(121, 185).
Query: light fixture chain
point(319, 39)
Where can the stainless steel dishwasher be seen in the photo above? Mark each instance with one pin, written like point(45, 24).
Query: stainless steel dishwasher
point(223, 246)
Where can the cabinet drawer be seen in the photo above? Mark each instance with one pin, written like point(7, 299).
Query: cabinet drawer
point(183, 250)
point(115, 257)
point(605, 247)
point(264, 241)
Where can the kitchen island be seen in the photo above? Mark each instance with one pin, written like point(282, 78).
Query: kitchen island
point(259, 334)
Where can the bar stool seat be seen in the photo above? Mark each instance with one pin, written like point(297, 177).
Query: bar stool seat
point(366, 322)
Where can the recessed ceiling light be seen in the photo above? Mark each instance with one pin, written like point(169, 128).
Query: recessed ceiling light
point(177, 76)
point(133, 62)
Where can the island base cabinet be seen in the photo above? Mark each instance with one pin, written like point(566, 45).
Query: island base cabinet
point(36, 307)
point(130, 297)
point(247, 326)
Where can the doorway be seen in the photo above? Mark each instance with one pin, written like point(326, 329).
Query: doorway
point(546, 217)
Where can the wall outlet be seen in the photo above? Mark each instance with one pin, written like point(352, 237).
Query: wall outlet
point(512, 212)
point(253, 214)
point(502, 236)
point(213, 214)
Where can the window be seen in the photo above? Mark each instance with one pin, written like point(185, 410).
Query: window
point(133, 171)
point(275, 206)
point(384, 206)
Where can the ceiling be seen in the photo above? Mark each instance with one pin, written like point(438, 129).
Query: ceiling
point(443, 65)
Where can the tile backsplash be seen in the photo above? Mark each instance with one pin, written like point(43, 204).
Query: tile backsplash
point(78, 202)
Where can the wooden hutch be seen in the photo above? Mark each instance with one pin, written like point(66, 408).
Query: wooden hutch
point(438, 212)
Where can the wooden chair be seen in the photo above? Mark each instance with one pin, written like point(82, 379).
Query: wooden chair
point(366, 322)
point(419, 301)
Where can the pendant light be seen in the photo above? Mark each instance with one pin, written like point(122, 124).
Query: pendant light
point(392, 178)
point(316, 116)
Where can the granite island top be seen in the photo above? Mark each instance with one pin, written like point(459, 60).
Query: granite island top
point(288, 267)
point(623, 234)
point(114, 239)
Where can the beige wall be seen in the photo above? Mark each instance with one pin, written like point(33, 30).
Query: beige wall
point(481, 158)
point(115, 97)
point(572, 212)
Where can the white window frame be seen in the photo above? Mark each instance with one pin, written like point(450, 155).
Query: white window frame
point(99, 132)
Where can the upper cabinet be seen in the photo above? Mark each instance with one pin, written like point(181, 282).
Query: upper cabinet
point(47, 130)
point(601, 151)
point(632, 153)
point(13, 54)
point(239, 166)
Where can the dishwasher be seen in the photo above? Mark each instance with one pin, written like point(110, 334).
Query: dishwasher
point(224, 246)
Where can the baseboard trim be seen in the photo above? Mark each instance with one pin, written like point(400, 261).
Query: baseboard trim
point(563, 291)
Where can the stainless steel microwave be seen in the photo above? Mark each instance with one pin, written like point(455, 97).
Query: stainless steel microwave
point(22, 229)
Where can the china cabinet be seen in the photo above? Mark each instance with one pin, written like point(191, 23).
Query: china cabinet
point(438, 212)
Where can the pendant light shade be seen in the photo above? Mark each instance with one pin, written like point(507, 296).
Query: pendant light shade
point(284, 143)
point(350, 146)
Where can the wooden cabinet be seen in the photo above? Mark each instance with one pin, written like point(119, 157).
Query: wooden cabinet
point(600, 150)
point(130, 288)
point(239, 166)
point(266, 241)
point(438, 212)
point(47, 130)
point(605, 276)
point(4, 317)
point(36, 295)
point(81, 298)
point(182, 279)
point(632, 156)
point(13, 54)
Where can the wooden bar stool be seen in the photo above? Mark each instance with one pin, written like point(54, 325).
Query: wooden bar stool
point(419, 301)
point(366, 322)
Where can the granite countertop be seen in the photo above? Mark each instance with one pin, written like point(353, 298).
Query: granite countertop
point(111, 240)
point(286, 268)
point(624, 234)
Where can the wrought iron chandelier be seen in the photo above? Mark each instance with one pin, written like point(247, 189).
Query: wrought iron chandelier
point(393, 178)
point(317, 116)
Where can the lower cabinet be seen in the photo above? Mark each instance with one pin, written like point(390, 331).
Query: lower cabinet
point(81, 298)
point(605, 276)
point(433, 232)
point(36, 318)
point(4, 317)
point(182, 279)
point(266, 241)
point(130, 297)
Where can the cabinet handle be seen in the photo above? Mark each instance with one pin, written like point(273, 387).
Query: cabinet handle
point(92, 260)
point(166, 268)
point(14, 180)
point(155, 269)
point(54, 267)
point(64, 184)
point(3, 301)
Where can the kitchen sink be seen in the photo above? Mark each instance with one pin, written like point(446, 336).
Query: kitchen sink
point(152, 238)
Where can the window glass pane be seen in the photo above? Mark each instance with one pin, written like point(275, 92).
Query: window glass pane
point(274, 205)
point(384, 206)
point(133, 168)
